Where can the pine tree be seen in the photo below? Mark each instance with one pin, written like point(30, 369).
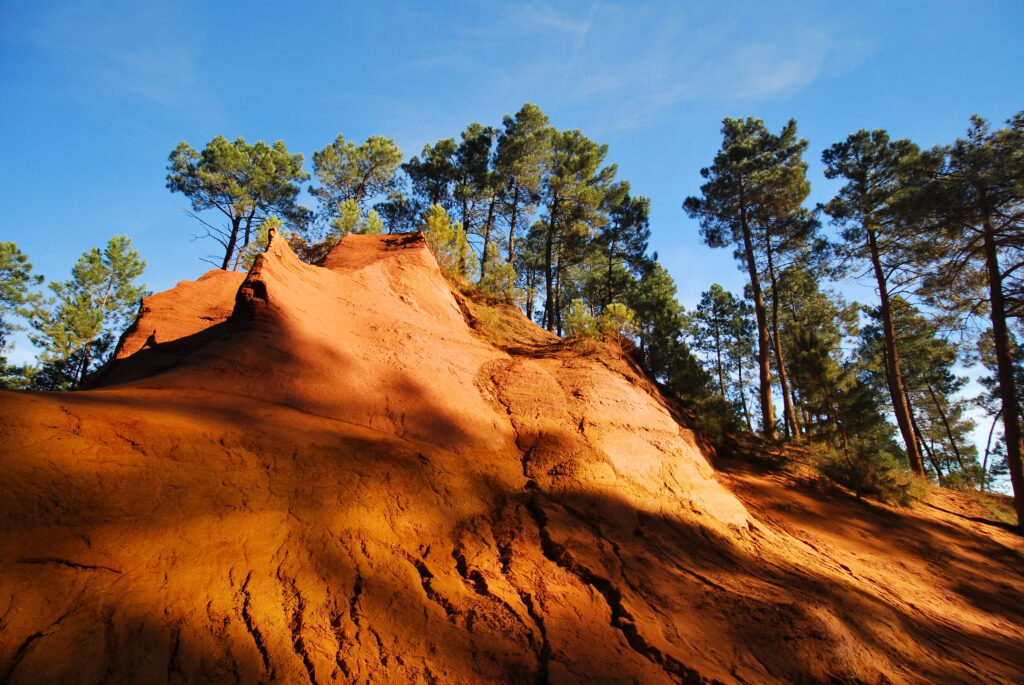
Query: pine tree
point(16, 300)
point(977, 203)
point(245, 183)
point(715, 327)
point(16, 297)
point(572, 192)
point(447, 241)
point(622, 243)
point(873, 228)
point(529, 267)
point(802, 306)
point(522, 152)
point(755, 176)
point(433, 173)
point(347, 171)
point(474, 188)
point(77, 326)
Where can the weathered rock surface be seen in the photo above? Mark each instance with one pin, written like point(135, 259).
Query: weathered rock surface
point(350, 473)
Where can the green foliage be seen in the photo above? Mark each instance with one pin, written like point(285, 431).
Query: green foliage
point(941, 420)
point(715, 326)
point(753, 192)
point(447, 241)
point(16, 297)
point(622, 243)
point(529, 265)
point(67, 373)
point(398, 212)
point(350, 219)
point(351, 174)
point(76, 327)
point(242, 182)
point(522, 153)
point(617, 321)
point(869, 470)
point(573, 192)
point(500, 278)
point(433, 173)
point(580, 321)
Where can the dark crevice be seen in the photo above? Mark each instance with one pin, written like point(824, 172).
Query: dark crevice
point(474, 579)
point(357, 590)
point(68, 563)
point(622, 620)
point(110, 646)
point(380, 647)
point(353, 614)
point(425, 577)
point(479, 582)
point(544, 654)
point(19, 654)
point(172, 662)
point(298, 607)
point(460, 561)
point(257, 637)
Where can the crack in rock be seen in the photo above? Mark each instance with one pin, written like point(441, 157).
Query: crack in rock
point(622, 620)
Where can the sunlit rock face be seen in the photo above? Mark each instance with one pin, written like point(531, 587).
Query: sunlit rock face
point(343, 473)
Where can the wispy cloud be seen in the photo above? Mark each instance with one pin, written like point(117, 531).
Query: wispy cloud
point(636, 64)
point(139, 51)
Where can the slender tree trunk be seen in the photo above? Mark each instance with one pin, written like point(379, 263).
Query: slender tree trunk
point(487, 236)
point(743, 397)
point(763, 362)
point(919, 436)
point(839, 426)
point(988, 448)
point(236, 222)
point(949, 430)
point(791, 425)
point(611, 257)
point(558, 293)
point(549, 276)
point(892, 367)
point(245, 242)
point(718, 355)
point(512, 227)
point(1004, 365)
point(795, 399)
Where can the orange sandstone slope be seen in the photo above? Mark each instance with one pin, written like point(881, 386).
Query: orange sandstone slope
point(327, 474)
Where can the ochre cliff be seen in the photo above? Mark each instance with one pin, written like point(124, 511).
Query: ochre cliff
point(350, 473)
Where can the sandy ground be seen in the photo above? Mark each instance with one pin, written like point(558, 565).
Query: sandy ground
point(352, 473)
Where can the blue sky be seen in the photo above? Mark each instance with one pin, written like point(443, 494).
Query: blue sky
point(96, 94)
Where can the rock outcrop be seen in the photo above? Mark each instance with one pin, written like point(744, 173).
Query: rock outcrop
point(351, 473)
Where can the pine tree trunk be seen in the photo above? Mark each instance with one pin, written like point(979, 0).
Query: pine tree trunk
point(245, 243)
point(549, 276)
point(718, 356)
point(892, 367)
point(763, 361)
point(743, 397)
point(236, 222)
point(919, 436)
point(487, 236)
point(1004, 365)
point(988, 448)
point(792, 427)
point(949, 429)
point(512, 227)
point(611, 256)
point(558, 295)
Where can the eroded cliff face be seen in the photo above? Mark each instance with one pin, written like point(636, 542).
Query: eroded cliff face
point(328, 474)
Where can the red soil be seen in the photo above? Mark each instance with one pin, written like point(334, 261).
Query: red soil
point(351, 473)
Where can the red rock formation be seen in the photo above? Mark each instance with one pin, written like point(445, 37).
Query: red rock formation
point(354, 477)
